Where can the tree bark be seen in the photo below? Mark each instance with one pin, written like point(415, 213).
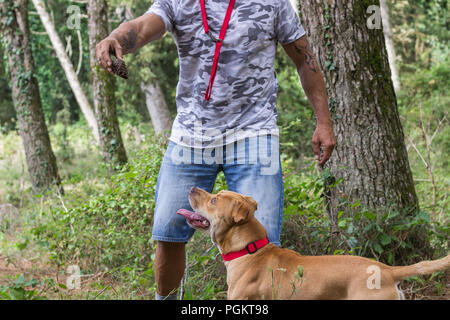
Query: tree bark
point(68, 67)
point(370, 157)
point(40, 158)
point(103, 85)
point(390, 44)
point(157, 107)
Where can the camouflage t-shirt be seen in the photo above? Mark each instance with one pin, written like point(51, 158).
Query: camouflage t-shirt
point(244, 96)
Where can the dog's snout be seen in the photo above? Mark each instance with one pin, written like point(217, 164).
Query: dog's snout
point(194, 190)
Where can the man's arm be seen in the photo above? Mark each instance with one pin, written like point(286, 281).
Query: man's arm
point(314, 85)
point(129, 37)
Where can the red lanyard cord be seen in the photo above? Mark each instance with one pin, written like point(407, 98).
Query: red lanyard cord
point(219, 41)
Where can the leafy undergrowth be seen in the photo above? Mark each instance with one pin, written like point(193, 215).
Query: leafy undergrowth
point(101, 228)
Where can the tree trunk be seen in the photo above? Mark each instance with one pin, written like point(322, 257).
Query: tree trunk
point(68, 67)
point(389, 44)
point(371, 156)
point(157, 107)
point(103, 85)
point(40, 159)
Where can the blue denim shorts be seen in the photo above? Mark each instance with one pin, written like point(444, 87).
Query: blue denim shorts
point(251, 167)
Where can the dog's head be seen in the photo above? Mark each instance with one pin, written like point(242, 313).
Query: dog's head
point(219, 213)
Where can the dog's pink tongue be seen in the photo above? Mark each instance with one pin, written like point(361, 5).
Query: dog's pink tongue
point(190, 215)
point(194, 218)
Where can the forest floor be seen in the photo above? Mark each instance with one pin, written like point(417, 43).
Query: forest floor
point(53, 283)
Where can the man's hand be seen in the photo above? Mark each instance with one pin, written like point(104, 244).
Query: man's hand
point(129, 37)
point(104, 50)
point(323, 139)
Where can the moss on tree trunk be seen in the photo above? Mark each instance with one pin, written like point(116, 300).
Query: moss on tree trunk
point(41, 161)
point(103, 85)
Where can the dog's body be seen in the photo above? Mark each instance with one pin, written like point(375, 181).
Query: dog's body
point(275, 273)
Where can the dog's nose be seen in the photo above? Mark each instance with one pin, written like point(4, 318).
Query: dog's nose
point(193, 190)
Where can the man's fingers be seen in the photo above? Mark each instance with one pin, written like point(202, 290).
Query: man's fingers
point(103, 58)
point(327, 152)
point(325, 158)
point(118, 51)
point(323, 138)
point(104, 55)
point(316, 148)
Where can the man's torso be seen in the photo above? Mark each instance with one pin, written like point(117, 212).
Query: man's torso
point(245, 89)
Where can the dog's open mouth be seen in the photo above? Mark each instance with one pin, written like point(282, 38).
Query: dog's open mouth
point(194, 219)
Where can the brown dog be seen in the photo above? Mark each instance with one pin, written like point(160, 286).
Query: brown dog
point(274, 273)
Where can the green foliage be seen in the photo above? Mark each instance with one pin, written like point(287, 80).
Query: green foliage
point(388, 235)
point(206, 273)
point(110, 228)
point(424, 105)
point(420, 32)
point(20, 289)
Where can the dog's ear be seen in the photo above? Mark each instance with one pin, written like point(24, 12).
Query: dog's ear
point(252, 203)
point(240, 212)
point(243, 209)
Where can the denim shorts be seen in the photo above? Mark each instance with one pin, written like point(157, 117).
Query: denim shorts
point(251, 167)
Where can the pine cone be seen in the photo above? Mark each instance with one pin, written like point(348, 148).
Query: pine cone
point(119, 68)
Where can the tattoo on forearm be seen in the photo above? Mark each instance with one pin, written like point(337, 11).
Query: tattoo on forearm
point(309, 56)
point(129, 41)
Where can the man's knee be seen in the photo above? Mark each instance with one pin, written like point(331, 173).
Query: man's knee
point(170, 255)
point(171, 247)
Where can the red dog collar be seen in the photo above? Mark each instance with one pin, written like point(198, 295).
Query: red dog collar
point(251, 248)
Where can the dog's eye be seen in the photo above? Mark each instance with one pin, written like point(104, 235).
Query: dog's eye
point(213, 201)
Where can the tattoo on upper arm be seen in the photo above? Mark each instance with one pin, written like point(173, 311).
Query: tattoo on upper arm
point(129, 41)
point(310, 60)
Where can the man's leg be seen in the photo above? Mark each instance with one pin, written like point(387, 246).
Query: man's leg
point(262, 180)
point(169, 229)
point(169, 267)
